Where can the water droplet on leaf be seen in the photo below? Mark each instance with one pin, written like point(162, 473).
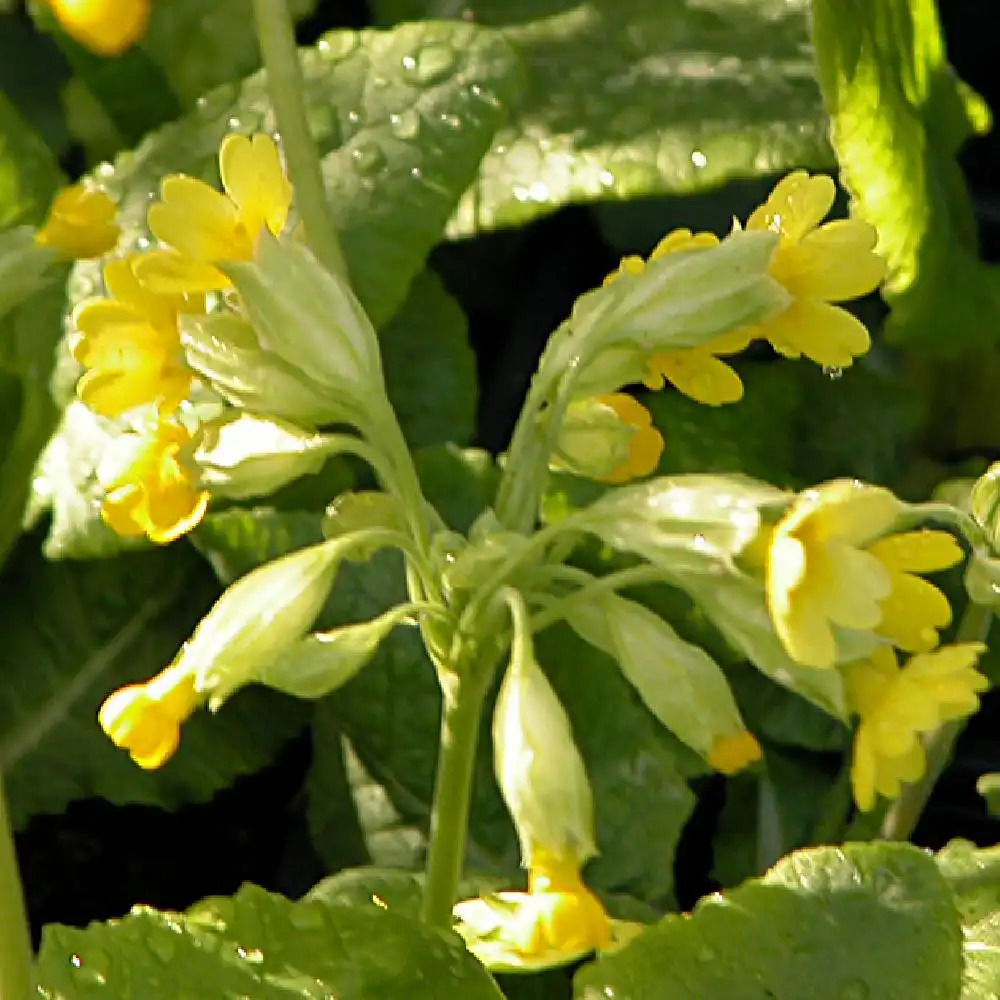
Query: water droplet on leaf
point(405, 124)
point(368, 158)
point(431, 64)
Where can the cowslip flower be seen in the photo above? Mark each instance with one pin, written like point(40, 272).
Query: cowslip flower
point(107, 27)
point(145, 719)
point(697, 372)
point(818, 265)
point(130, 345)
point(832, 562)
point(80, 224)
point(157, 494)
point(610, 438)
point(896, 705)
point(204, 227)
point(558, 920)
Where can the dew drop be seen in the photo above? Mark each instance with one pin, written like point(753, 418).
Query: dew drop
point(76, 961)
point(405, 124)
point(338, 45)
point(606, 178)
point(368, 158)
point(452, 121)
point(416, 173)
point(105, 170)
point(353, 117)
point(832, 372)
point(252, 955)
point(234, 122)
point(201, 103)
point(431, 64)
point(699, 159)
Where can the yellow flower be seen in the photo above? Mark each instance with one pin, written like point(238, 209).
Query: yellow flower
point(731, 754)
point(205, 227)
point(157, 495)
point(145, 719)
point(81, 223)
point(896, 705)
point(557, 920)
point(818, 265)
point(107, 27)
point(818, 573)
point(831, 562)
point(646, 443)
point(697, 372)
point(915, 609)
point(131, 346)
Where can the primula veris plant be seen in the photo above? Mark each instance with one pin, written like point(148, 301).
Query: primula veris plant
point(244, 375)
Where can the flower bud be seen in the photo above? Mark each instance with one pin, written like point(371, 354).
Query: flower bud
point(242, 455)
point(538, 767)
point(81, 223)
point(678, 682)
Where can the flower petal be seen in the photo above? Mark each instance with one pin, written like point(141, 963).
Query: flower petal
point(198, 221)
point(912, 613)
point(699, 375)
point(169, 273)
point(925, 551)
point(253, 177)
point(797, 205)
point(826, 334)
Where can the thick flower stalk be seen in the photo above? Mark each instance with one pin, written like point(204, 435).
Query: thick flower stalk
point(203, 227)
point(819, 264)
point(80, 224)
point(897, 705)
point(834, 563)
point(156, 494)
point(107, 27)
point(130, 345)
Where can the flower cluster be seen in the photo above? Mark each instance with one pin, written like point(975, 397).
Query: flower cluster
point(835, 569)
point(815, 264)
point(129, 341)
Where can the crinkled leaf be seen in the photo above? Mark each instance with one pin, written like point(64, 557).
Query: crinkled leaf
point(639, 97)
point(74, 632)
point(974, 876)
point(864, 920)
point(260, 945)
point(430, 370)
point(981, 978)
point(899, 116)
point(402, 119)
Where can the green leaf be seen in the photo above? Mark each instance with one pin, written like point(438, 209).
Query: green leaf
point(430, 370)
point(402, 119)
point(988, 786)
point(974, 876)
point(28, 172)
point(863, 920)
point(459, 482)
point(628, 98)
point(899, 116)
point(981, 978)
point(260, 945)
point(71, 634)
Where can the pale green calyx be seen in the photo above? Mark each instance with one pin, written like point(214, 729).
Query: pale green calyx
point(259, 616)
point(538, 767)
point(322, 662)
point(225, 350)
point(243, 455)
point(309, 317)
point(984, 505)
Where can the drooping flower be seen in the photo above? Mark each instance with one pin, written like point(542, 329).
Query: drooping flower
point(205, 227)
point(157, 495)
point(146, 719)
point(107, 27)
point(80, 224)
point(610, 438)
point(818, 265)
point(896, 705)
point(130, 345)
point(832, 562)
point(558, 920)
point(915, 609)
point(732, 753)
point(697, 372)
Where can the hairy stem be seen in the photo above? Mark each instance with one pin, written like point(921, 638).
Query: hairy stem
point(15, 941)
point(902, 816)
point(276, 34)
point(463, 709)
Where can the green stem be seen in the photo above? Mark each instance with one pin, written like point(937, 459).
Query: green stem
point(15, 941)
point(463, 709)
point(276, 34)
point(902, 816)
